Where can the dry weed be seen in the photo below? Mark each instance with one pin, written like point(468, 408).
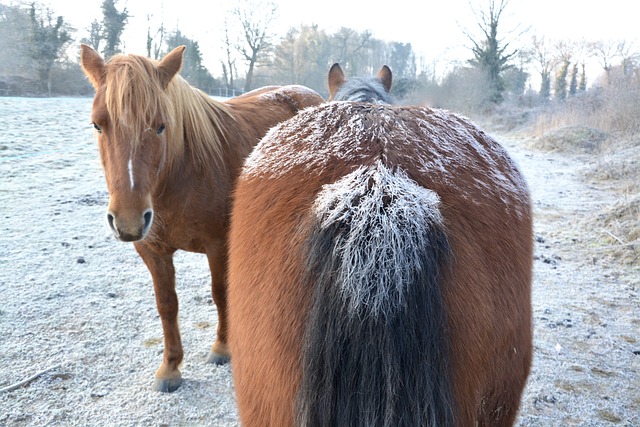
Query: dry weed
point(572, 139)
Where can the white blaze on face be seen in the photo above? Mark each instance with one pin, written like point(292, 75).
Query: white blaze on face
point(130, 167)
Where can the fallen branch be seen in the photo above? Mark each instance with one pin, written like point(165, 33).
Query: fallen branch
point(28, 380)
point(615, 237)
point(625, 245)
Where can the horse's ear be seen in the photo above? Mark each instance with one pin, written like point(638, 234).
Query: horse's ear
point(336, 79)
point(92, 65)
point(384, 75)
point(170, 65)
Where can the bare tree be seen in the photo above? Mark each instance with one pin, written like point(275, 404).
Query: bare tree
point(564, 51)
point(229, 63)
point(156, 41)
point(350, 47)
point(255, 19)
point(544, 62)
point(605, 51)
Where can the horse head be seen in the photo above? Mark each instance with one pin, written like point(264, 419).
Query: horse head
point(362, 89)
point(131, 118)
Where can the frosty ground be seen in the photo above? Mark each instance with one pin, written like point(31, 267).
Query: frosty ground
point(75, 300)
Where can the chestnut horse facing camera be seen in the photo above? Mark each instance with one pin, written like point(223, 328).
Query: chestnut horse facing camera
point(171, 156)
point(380, 264)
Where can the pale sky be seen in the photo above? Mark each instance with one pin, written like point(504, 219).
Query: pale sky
point(434, 29)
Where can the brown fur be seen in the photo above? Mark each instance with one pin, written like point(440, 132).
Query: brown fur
point(486, 285)
point(186, 151)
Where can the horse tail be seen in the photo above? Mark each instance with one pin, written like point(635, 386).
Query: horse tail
point(375, 350)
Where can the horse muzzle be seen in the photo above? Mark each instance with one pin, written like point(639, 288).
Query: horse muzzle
point(130, 229)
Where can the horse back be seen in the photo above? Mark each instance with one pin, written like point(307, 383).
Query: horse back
point(263, 108)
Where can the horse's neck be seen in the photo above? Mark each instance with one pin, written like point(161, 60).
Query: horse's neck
point(210, 170)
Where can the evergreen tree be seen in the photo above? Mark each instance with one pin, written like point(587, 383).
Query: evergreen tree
point(403, 61)
point(49, 37)
point(285, 56)
point(490, 53)
point(192, 69)
point(582, 85)
point(14, 39)
point(573, 84)
point(303, 57)
point(545, 86)
point(113, 24)
point(560, 86)
point(95, 35)
point(515, 81)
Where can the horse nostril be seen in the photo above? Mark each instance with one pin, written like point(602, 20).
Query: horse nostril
point(148, 217)
point(111, 220)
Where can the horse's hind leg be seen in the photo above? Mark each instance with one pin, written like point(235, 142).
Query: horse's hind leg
point(217, 255)
point(168, 376)
point(501, 416)
point(501, 409)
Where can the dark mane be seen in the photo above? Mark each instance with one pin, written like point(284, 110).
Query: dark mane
point(363, 89)
point(373, 89)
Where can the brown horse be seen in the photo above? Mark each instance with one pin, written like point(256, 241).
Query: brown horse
point(379, 272)
point(171, 156)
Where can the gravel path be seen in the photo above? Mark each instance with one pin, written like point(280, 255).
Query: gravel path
point(75, 300)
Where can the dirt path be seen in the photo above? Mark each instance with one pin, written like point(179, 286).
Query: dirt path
point(586, 369)
point(74, 298)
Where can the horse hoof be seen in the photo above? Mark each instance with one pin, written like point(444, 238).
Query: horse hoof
point(217, 358)
point(166, 385)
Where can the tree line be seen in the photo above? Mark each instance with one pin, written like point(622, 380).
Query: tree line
point(34, 60)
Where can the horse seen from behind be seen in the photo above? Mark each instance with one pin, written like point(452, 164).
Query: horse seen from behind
point(380, 262)
point(171, 155)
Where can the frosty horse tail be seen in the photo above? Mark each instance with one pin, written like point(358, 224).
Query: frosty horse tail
point(379, 272)
point(376, 342)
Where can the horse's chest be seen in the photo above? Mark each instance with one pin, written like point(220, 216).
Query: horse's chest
point(186, 232)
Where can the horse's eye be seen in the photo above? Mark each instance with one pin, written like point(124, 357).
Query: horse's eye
point(97, 127)
point(160, 130)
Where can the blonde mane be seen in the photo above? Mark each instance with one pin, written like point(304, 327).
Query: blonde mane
point(135, 98)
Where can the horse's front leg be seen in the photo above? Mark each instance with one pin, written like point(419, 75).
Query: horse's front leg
point(217, 256)
point(160, 264)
